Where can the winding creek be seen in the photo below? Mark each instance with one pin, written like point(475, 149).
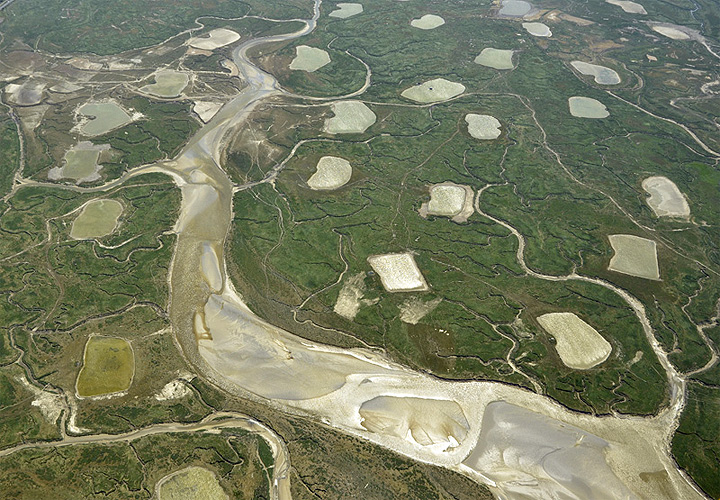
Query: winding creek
point(519, 443)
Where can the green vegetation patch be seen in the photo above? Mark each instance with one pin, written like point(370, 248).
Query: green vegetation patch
point(108, 367)
point(130, 470)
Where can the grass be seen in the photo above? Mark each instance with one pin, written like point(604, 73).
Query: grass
point(83, 26)
point(131, 470)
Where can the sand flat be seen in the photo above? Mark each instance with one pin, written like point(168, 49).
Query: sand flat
point(628, 6)
point(602, 74)
point(270, 362)
point(414, 309)
point(449, 200)
point(210, 267)
point(634, 256)
point(102, 117)
point(426, 422)
point(435, 90)
point(495, 58)
point(484, 127)
point(587, 107)
point(534, 456)
point(351, 117)
point(309, 59)
point(98, 218)
point(168, 83)
point(665, 199)
point(345, 10)
point(331, 172)
point(215, 39)
point(670, 32)
point(578, 344)
point(515, 8)
point(194, 482)
point(206, 109)
point(427, 22)
point(80, 163)
point(350, 297)
point(537, 29)
point(398, 272)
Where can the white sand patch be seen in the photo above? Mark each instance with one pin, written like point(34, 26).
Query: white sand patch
point(495, 58)
point(435, 90)
point(427, 22)
point(629, 7)
point(210, 268)
point(350, 298)
point(579, 345)
point(346, 10)
point(426, 422)
point(537, 29)
point(176, 389)
point(214, 39)
point(206, 109)
point(670, 32)
point(534, 456)
point(50, 405)
point(331, 172)
point(414, 309)
point(665, 199)
point(271, 362)
point(603, 75)
point(309, 59)
point(198, 198)
point(587, 107)
point(398, 272)
point(484, 127)
point(450, 200)
point(634, 256)
point(351, 117)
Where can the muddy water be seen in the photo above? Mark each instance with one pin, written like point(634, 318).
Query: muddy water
point(247, 356)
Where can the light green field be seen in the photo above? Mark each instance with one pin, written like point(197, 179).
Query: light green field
point(193, 483)
point(81, 163)
point(603, 75)
point(346, 10)
point(168, 83)
point(427, 22)
point(309, 59)
point(104, 117)
point(495, 58)
point(587, 107)
point(435, 90)
point(108, 367)
point(515, 8)
point(97, 219)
